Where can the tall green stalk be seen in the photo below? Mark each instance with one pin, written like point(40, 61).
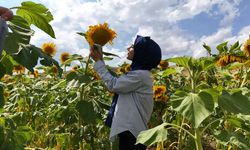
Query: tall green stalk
point(197, 135)
point(197, 132)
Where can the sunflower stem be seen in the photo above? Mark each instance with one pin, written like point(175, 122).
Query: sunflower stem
point(87, 65)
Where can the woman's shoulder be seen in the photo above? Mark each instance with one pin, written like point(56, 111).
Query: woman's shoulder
point(142, 74)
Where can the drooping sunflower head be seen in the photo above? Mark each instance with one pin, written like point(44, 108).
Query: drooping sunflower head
point(49, 48)
point(100, 34)
point(19, 69)
point(246, 48)
point(227, 59)
point(64, 56)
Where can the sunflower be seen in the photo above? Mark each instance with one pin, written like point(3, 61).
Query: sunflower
point(35, 73)
point(6, 78)
point(75, 68)
point(163, 64)
point(19, 69)
point(246, 48)
point(54, 69)
point(159, 91)
point(100, 34)
point(227, 59)
point(49, 48)
point(125, 68)
point(94, 74)
point(6, 94)
point(64, 56)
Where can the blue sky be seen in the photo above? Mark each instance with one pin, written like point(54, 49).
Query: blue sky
point(180, 27)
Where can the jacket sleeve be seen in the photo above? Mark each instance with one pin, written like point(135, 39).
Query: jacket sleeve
point(123, 84)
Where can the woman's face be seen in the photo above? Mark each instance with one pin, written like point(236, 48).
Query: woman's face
point(130, 52)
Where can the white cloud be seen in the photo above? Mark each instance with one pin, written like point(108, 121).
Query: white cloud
point(230, 11)
point(157, 18)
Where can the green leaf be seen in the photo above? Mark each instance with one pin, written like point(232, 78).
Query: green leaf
point(82, 34)
point(59, 85)
point(236, 46)
point(70, 76)
point(208, 48)
point(154, 135)
point(235, 102)
point(222, 48)
point(110, 54)
point(23, 134)
point(28, 57)
point(213, 92)
point(38, 15)
point(8, 62)
point(206, 63)
point(107, 58)
point(78, 77)
point(86, 111)
point(234, 138)
point(194, 107)
point(19, 36)
point(168, 71)
point(239, 123)
point(182, 61)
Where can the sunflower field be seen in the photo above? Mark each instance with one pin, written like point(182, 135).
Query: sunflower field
point(45, 104)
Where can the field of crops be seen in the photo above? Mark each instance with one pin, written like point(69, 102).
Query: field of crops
point(199, 103)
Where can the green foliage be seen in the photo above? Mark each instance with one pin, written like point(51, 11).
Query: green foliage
point(194, 107)
point(28, 57)
point(154, 135)
point(235, 102)
point(237, 139)
point(20, 35)
point(38, 15)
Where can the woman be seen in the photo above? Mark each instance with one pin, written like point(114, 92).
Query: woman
point(133, 101)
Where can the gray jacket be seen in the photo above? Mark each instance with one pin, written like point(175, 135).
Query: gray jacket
point(135, 102)
point(3, 31)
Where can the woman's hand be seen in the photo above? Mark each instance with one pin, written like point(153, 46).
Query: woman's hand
point(96, 54)
point(6, 13)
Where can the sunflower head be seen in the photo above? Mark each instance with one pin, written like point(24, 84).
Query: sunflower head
point(19, 69)
point(49, 48)
point(227, 59)
point(75, 68)
point(34, 74)
point(54, 70)
point(123, 69)
point(127, 68)
point(246, 48)
point(6, 94)
point(163, 64)
point(94, 74)
point(64, 56)
point(100, 34)
point(159, 91)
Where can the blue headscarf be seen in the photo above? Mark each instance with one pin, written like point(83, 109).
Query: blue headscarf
point(147, 54)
